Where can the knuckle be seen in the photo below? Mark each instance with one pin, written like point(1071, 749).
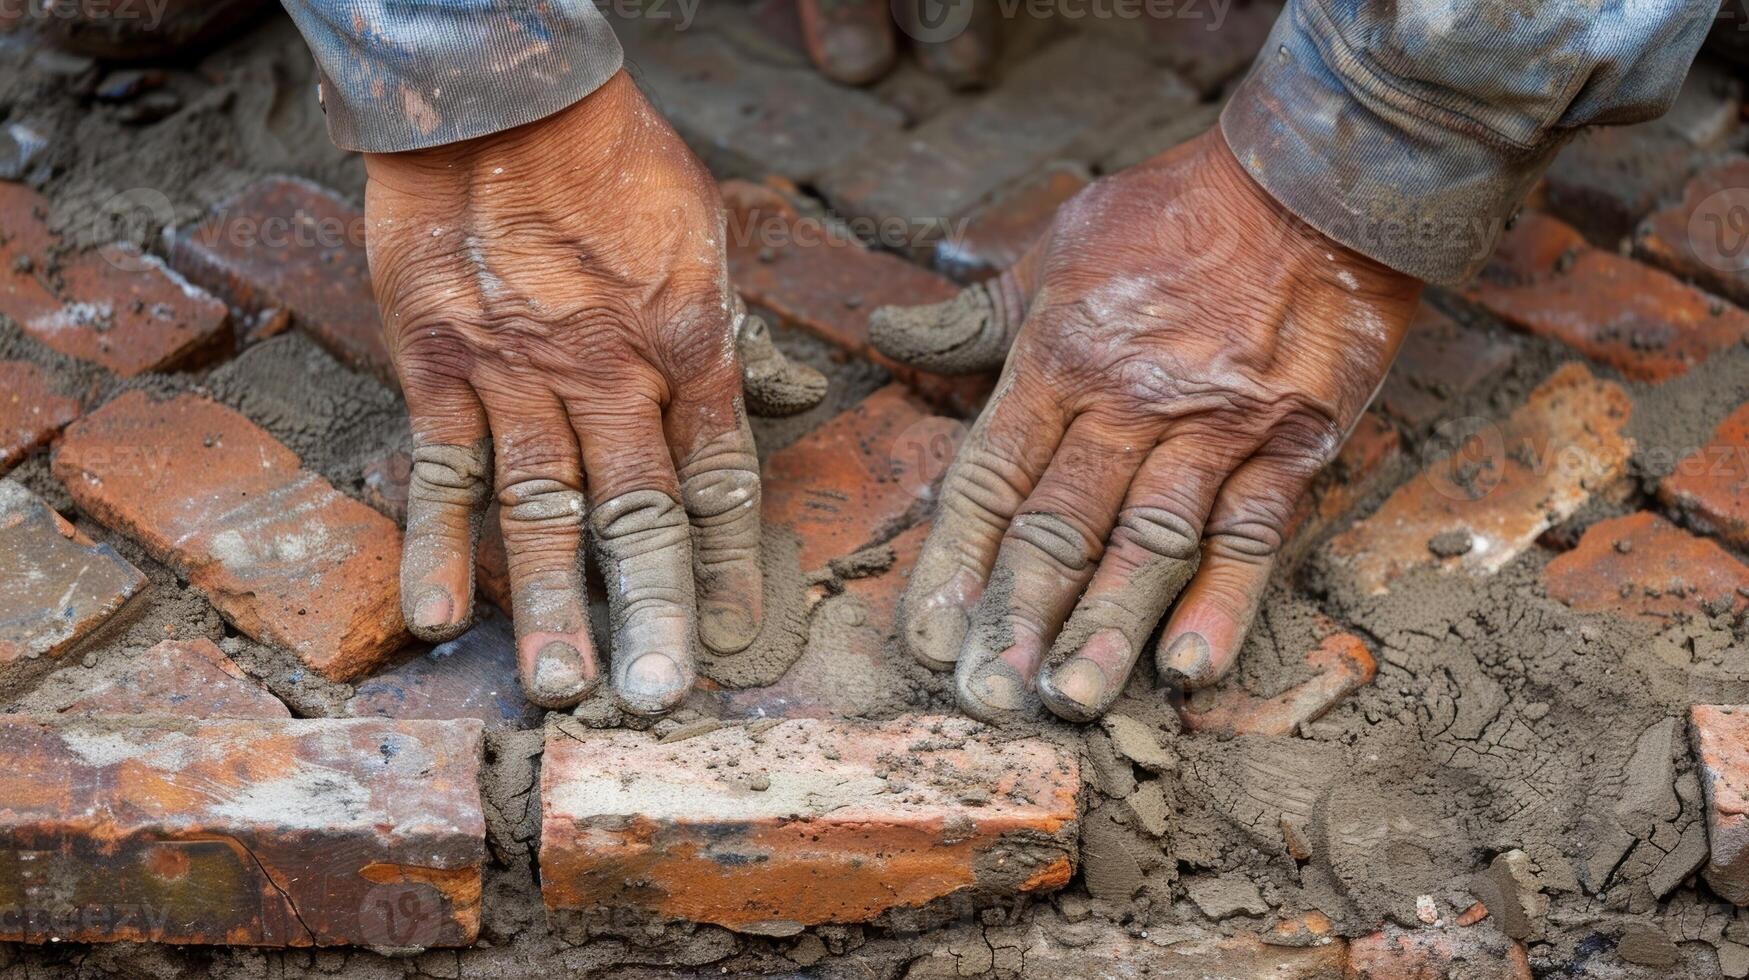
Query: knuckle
point(718, 496)
point(1246, 540)
point(978, 488)
point(540, 502)
point(1160, 532)
point(639, 522)
point(448, 474)
point(1065, 542)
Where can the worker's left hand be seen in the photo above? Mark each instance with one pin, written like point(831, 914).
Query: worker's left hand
point(1186, 356)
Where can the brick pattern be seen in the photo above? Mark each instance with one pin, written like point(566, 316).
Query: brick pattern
point(57, 587)
point(288, 245)
point(1710, 486)
point(803, 821)
point(1695, 237)
point(184, 679)
point(1647, 568)
point(1342, 664)
point(282, 554)
point(1441, 360)
point(1721, 740)
point(999, 233)
point(1482, 506)
point(31, 411)
point(253, 832)
point(1546, 280)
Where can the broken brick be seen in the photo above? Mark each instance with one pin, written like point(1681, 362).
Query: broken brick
point(1711, 485)
point(282, 555)
point(1484, 504)
point(127, 312)
point(245, 832)
point(1440, 360)
point(471, 676)
point(999, 233)
point(1721, 740)
point(1546, 280)
point(1647, 568)
point(1343, 665)
point(760, 828)
point(1697, 239)
point(860, 478)
point(1479, 952)
point(58, 587)
point(184, 679)
point(288, 244)
point(31, 411)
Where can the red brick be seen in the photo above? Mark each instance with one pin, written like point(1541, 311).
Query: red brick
point(811, 276)
point(282, 555)
point(1711, 485)
point(1545, 279)
point(1368, 461)
point(999, 233)
point(31, 411)
point(1441, 361)
point(57, 587)
point(128, 313)
point(1479, 952)
point(802, 822)
point(245, 832)
point(184, 679)
point(1696, 237)
point(1645, 567)
point(866, 474)
point(1721, 740)
point(385, 484)
point(288, 244)
point(1094, 948)
point(1502, 488)
point(471, 676)
point(1343, 666)
point(1062, 103)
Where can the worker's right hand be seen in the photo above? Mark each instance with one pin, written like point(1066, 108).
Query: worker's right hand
point(857, 41)
point(557, 303)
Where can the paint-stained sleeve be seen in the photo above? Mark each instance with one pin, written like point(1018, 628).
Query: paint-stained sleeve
point(1409, 130)
point(407, 74)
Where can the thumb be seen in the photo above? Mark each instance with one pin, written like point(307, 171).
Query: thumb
point(774, 385)
point(967, 334)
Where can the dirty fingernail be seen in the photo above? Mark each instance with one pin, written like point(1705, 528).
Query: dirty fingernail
point(1080, 681)
point(560, 675)
point(725, 627)
point(652, 683)
point(935, 636)
point(1186, 658)
point(433, 610)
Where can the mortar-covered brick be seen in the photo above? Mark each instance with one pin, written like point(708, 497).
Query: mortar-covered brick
point(177, 678)
point(762, 827)
point(1341, 664)
point(1478, 952)
point(810, 274)
point(1095, 948)
point(1643, 566)
point(1650, 326)
point(319, 832)
point(1697, 238)
point(31, 411)
point(56, 587)
point(1721, 740)
point(471, 676)
point(1710, 486)
point(288, 244)
point(999, 233)
point(1483, 505)
point(865, 475)
point(1368, 461)
point(282, 555)
point(1441, 360)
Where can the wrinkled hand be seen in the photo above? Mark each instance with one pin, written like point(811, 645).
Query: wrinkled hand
point(1185, 357)
point(561, 289)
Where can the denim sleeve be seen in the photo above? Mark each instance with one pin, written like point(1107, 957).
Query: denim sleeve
point(1409, 130)
point(407, 74)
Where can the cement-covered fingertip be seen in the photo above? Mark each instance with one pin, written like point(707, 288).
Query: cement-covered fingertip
point(1186, 661)
point(962, 335)
point(1077, 691)
point(989, 689)
point(652, 683)
point(431, 615)
point(726, 628)
point(933, 636)
point(560, 676)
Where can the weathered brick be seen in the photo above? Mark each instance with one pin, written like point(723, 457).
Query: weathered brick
point(1062, 104)
point(386, 480)
point(1205, 49)
point(128, 313)
point(246, 832)
point(999, 233)
point(1645, 567)
point(471, 676)
point(1479, 952)
point(746, 117)
point(1547, 280)
point(1441, 360)
point(57, 586)
point(1094, 948)
point(807, 274)
point(1483, 505)
point(1696, 237)
point(1721, 741)
point(177, 678)
point(31, 411)
point(286, 244)
point(859, 478)
point(802, 822)
point(282, 555)
point(1343, 665)
point(1369, 460)
point(1711, 485)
